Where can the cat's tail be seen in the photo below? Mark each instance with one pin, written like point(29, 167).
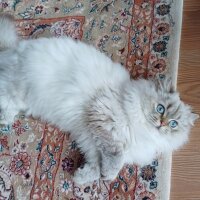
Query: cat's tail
point(8, 35)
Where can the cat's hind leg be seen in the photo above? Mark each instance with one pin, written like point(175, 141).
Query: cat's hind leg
point(8, 109)
point(10, 97)
point(8, 39)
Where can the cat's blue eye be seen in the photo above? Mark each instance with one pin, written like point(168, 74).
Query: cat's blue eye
point(160, 109)
point(173, 123)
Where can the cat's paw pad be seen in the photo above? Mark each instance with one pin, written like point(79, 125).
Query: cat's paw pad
point(86, 174)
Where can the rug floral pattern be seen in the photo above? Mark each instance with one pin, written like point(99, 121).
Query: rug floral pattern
point(36, 159)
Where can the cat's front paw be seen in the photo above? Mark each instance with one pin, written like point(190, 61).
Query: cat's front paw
point(110, 167)
point(87, 174)
point(109, 174)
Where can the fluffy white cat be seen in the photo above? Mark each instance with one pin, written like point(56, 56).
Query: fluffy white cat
point(113, 119)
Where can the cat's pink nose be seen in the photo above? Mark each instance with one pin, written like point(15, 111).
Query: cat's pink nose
point(162, 123)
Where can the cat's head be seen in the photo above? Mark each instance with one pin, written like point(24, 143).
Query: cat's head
point(164, 110)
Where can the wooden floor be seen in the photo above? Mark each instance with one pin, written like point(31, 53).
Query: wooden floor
point(186, 162)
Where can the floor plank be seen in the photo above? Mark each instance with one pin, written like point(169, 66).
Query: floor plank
point(186, 162)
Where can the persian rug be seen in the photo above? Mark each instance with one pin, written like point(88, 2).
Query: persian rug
point(36, 159)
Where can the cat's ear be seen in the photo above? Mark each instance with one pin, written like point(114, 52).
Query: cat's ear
point(168, 85)
point(193, 117)
point(164, 83)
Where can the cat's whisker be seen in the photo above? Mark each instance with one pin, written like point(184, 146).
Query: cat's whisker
point(152, 118)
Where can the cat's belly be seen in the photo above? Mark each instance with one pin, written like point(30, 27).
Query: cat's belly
point(59, 80)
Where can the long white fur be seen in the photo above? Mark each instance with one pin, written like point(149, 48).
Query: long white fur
point(7, 32)
point(77, 88)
